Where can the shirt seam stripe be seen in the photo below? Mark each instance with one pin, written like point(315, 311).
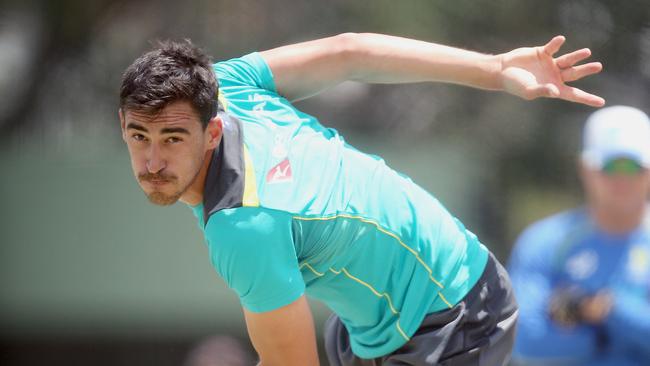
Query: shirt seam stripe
point(376, 293)
point(394, 236)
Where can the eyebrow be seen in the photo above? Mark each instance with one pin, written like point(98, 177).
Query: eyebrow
point(175, 130)
point(135, 126)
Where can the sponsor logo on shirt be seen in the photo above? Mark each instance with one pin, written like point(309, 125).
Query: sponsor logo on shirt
point(280, 173)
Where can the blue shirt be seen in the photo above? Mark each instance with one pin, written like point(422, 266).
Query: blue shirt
point(568, 249)
point(290, 208)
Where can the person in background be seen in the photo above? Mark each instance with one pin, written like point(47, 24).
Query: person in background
point(582, 277)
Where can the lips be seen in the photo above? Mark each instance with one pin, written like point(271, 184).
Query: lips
point(157, 182)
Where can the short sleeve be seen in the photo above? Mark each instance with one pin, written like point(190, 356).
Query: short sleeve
point(253, 250)
point(250, 70)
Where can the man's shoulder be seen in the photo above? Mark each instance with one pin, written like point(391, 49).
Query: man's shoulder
point(556, 228)
point(247, 220)
point(234, 64)
point(562, 220)
point(249, 70)
point(541, 242)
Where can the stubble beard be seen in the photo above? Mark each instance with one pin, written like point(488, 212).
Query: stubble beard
point(162, 199)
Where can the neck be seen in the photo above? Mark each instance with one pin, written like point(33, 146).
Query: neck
point(617, 221)
point(194, 193)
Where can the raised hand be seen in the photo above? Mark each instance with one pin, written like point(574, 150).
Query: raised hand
point(533, 72)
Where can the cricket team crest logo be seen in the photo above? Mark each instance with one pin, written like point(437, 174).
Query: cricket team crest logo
point(280, 173)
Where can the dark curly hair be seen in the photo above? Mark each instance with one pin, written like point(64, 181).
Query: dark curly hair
point(173, 71)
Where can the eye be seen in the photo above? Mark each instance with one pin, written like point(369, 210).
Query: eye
point(173, 140)
point(138, 137)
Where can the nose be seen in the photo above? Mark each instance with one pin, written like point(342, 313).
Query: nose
point(155, 161)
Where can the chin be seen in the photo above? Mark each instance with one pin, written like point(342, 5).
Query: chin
point(161, 199)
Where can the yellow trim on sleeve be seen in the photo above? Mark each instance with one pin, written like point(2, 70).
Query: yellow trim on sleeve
point(250, 198)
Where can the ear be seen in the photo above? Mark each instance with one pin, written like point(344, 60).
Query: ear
point(120, 112)
point(214, 131)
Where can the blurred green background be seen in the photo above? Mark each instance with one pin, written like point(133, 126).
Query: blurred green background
point(90, 273)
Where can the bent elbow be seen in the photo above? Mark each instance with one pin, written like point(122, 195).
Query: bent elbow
point(346, 46)
point(349, 50)
point(346, 42)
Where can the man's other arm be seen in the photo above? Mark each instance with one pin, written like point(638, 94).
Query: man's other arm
point(304, 69)
point(285, 336)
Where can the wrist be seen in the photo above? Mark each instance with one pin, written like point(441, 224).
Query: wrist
point(481, 71)
point(495, 70)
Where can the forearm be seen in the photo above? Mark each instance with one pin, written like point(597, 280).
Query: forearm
point(282, 349)
point(379, 58)
point(304, 69)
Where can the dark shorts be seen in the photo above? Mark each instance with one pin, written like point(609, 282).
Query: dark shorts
point(478, 331)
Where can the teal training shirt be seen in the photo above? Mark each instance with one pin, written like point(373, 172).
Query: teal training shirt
point(290, 208)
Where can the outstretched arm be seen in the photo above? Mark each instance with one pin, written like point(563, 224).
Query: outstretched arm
point(304, 69)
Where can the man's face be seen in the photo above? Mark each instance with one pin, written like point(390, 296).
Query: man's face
point(167, 150)
point(619, 190)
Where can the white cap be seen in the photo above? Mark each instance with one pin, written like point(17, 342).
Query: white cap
point(614, 133)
